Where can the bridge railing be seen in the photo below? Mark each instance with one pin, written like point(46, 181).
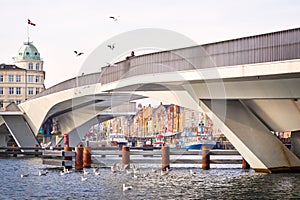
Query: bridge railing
point(270, 47)
point(277, 46)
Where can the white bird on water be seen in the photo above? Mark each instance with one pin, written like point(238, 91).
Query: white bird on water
point(125, 188)
point(24, 175)
point(163, 173)
point(192, 173)
point(83, 178)
point(43, 173)
point(85, 172)
point(97, 173)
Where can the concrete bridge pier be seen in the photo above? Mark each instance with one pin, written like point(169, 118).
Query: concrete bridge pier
point(255, 142)
point(295, 143)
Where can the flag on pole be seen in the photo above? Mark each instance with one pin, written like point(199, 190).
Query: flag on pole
point(30, 22)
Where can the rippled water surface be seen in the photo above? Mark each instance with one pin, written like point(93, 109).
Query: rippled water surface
point(178, 184)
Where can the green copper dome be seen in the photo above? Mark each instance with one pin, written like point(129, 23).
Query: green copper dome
point(28, 52)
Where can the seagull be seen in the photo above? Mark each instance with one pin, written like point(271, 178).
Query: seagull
point(85, 172)
point(95, 169)
point(114, 168)
point(192, 173)
point(65, 171)
point(111, 46)
point(83, 178)
point(126, 166)
point(97, 173)
point(125, 188)
point(78, 53)
point(114, 18)
point(128, 171)
point(24, 175)
point(43, 173)
point(135, 169)
point(163, 173)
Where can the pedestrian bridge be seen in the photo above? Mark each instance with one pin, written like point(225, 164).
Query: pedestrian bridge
point(248, 86)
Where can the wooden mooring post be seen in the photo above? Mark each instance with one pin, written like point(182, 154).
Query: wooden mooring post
point(125, 156)
point(36, 150)
point(79, 157)
point(165, 158)
point(245, 164)
point(87, 157)
point(205, 158)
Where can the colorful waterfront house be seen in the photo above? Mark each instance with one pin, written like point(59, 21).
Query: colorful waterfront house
point(147, 117)
point(138, 123)
point(159, 119)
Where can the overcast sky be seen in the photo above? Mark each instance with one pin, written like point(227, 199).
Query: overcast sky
point(63, 26)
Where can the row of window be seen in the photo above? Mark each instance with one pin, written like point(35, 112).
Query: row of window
point(30, 78)
point(10, 101)
point(18, 91)
point(37, 66)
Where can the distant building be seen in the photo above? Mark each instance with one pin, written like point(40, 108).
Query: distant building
point(23, 79)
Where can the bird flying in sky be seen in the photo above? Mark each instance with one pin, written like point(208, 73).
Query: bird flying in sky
point(111, 46)
point(78, 53)
point(114, 18)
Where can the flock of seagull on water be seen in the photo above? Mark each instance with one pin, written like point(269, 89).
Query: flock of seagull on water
point(131, 170)
point(111, 46)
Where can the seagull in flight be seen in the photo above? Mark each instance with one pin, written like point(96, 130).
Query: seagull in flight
point(78, 53)
point(114, 18)
point(111, 46)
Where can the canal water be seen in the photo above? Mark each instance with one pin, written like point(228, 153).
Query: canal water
point(218, 183)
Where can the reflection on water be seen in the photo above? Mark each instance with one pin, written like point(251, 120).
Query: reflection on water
point(178, 184)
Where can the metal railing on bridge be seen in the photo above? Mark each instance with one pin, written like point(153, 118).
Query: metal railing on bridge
point(270, 47)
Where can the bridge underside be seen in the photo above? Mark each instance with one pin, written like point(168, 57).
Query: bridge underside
point(246, 112)
point(77, 116)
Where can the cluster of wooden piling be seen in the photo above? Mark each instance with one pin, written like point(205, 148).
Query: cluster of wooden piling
point(82, 156)
point(15, 151)
point(165, 158)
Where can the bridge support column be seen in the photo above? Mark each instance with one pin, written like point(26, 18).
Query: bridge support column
point(295, 143)
point(263, 151)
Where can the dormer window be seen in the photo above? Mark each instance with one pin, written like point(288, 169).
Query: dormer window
point(35, 53)
point(27, 53)
point(20, 53)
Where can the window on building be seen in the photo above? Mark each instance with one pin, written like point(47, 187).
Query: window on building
point(11, 78)
point(30, 91)
point(18, 90)
point(11, 90)
point(30, 66)
point(30, 78)
point(37, 90)
point(1, 78)
point(37, 66)
point(1, 103)
point(37, 79)
point(1, 90)
point(18, 102)
point(18, 78)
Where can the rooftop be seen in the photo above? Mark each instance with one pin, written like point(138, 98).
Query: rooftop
point(28, 52)
point(9, 67)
